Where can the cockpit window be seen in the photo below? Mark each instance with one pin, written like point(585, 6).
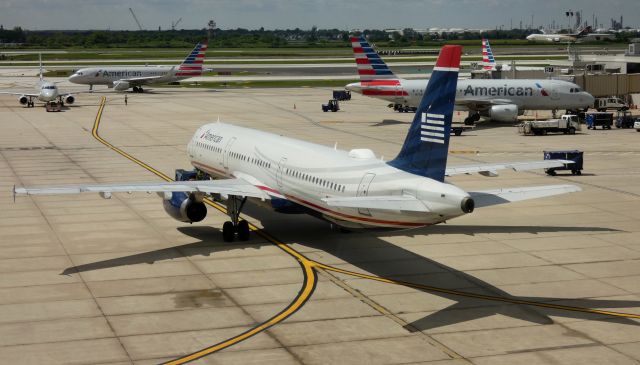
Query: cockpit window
point(48, 87)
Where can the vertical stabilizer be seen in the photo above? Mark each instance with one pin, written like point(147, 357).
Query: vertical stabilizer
point(192, 65)
point(488, 62)
point(426, 146)
point(41, 72)
point(370, 65)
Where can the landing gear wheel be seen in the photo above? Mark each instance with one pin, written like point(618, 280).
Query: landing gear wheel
point(140, 89)
point(243, 230)
point(234, 206)
point(228, 231)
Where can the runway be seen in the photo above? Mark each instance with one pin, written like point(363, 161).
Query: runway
point(138, 287)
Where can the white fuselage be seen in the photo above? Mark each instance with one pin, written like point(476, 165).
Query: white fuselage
point(525, 94)
point(47, 91)
point(110, 75)
point(300, 174)
point(551, 38)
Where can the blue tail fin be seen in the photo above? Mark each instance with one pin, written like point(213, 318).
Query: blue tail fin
point(370, 65)
point(426, 147)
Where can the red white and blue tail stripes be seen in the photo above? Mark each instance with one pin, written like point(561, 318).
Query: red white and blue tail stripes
point(192, 65)
point(488, 62)
point(370, 65)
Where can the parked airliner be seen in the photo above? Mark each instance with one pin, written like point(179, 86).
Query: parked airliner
point(123, 78)
point(501, 100)
point(353, 189)
point(47, 92)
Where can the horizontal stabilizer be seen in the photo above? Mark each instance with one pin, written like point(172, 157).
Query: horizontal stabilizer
point(237, 187)
point(487, 198)
point(490, 169)
point(391, 202)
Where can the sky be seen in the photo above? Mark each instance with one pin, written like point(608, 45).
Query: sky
point(280, 14)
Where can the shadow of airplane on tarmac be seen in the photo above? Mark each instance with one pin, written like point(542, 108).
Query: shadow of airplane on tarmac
point(369, 253)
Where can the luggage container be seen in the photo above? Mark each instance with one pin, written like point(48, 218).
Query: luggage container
point(573, 155)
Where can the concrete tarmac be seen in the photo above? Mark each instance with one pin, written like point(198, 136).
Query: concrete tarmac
point(85, 280)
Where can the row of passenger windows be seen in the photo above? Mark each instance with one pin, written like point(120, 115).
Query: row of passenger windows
point(314, 180)
point(291, 172)
point(255, 161)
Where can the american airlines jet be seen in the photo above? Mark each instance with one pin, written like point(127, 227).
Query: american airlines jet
point(352, 189)
point(501, 99)
point(123, 78)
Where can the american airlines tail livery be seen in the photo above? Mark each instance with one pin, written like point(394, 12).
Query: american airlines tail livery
point(498, 99)
point(124, 78)
point(353, 189)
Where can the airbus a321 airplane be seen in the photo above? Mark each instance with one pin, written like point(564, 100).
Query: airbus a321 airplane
point(352, 189)
point(123, 78)
point(500, 100)
point(47, 92)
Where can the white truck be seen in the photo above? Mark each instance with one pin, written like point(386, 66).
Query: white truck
point(604, 104)
point(567, 124)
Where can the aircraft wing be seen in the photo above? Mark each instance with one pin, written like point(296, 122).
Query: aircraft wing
point(392, 202)
point(238, 187)
point(488, 198)
point(481, 104)
point(31, 95)
point(141, 80)
point(491, 169)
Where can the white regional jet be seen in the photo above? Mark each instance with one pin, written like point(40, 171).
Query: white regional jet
point(351, 189)
point(47, 92)
point(123, 78)
point(500, 100)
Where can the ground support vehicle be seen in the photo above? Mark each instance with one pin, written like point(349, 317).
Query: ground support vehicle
point(573, 155)
point(332, 105)
point(342, 95)
point(567, 124)
point(599, 119)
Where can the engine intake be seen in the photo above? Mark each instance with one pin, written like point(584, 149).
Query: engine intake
point(70, 99)
point(23, 100)
point(185, 208)
point(467, 205)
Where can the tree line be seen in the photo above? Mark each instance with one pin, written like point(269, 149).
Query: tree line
point(242, 38)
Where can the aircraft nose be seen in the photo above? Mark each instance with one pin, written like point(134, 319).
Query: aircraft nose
point(589, 98)
point(355, 87)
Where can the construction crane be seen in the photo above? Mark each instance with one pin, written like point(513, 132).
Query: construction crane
point(135, 18)
point(175, 24)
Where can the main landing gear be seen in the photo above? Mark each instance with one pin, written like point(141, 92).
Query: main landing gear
point(138, 89)
point(472, 119)
point(235, 225)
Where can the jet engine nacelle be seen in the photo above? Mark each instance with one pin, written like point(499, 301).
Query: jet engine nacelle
point(184, 207)
point(23, 100)
point(69, 99)
point(504, 113)
point(121, 85)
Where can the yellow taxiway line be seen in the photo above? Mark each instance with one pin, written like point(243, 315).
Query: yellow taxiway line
point(309, 268)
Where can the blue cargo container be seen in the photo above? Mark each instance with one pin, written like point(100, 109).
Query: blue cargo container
point(573, 155)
